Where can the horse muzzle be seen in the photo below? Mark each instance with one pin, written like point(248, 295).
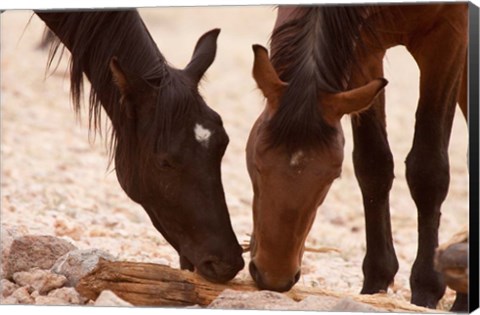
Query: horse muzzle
point(266, 282)
point(220, 270)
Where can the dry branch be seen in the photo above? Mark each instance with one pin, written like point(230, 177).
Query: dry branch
point(146, 284)
point(324, 249)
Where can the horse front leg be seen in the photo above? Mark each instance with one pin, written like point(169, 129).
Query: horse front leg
point(440, 56)
point(373, 163)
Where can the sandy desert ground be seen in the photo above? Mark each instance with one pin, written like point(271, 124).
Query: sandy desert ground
point(55, 181)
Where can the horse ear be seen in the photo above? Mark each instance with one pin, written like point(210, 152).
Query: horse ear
point(203, 55)
point(354, 101)
point(119, 77)
point(266, 77)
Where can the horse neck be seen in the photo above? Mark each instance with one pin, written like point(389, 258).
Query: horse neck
point(93, 39)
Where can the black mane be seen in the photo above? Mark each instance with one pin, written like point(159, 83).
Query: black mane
point(313, 52)
point(93, 39)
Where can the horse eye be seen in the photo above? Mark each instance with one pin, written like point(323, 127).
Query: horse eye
point(164, 164)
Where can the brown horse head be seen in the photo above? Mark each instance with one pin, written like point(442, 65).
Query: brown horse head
point(291, 182)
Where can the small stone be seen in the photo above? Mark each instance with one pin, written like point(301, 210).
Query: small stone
point(317, 303)
point(349, 305)
point(259, 300)
point(8, 234)
point(31, 251)
point(69, 295)
point(64, 228)
point(77, 263)
point(193, 306)
point(41, 280)
point(108, 298)
point(9, 301)
point(49, 300)
point(7, 288)
point(22, 295)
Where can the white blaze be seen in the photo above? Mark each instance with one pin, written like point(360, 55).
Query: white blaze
point(202, 134)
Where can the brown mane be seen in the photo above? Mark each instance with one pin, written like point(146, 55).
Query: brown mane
point(313, 52)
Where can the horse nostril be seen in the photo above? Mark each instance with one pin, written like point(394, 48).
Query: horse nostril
point(209, 267)
point(216, 270)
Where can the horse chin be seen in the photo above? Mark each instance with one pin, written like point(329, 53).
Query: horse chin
point(214, 268)
point(209, 273)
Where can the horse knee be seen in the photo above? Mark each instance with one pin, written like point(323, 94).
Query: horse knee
point(428, 176)
point(374, 172)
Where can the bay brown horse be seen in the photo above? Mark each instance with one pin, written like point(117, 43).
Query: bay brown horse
point(166, 142)
point(326, 62)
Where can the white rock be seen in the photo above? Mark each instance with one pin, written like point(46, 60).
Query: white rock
point(22, 295)
point(69, 295)
point(9, 301)
point(41, 280)
point(268, 300)
point(7, 288)
point(108, 298)
point(77, 263)
point(317, 303)
point(349, 305)
point(49, 300)
point(259, 300)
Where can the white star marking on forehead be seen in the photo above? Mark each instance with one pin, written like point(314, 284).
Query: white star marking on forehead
point(296, 158)
point(202, 135)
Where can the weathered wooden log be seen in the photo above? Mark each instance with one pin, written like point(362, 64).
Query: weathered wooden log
point(451, 259)
point(146, 284)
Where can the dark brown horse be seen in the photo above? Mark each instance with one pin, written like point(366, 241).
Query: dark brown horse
point(326, 62)
point(167, 143)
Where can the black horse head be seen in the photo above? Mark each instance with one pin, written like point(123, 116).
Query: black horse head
point(167, 143)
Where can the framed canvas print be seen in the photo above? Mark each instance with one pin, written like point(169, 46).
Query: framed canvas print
point(301, 157)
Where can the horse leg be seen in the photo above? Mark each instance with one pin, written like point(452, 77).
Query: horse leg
point(373, 163)
point(461, 303)
point(438, 55)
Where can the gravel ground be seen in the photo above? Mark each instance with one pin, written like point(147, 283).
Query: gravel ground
point(55, 181)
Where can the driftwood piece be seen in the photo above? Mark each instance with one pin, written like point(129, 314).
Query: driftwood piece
point(146, 284)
